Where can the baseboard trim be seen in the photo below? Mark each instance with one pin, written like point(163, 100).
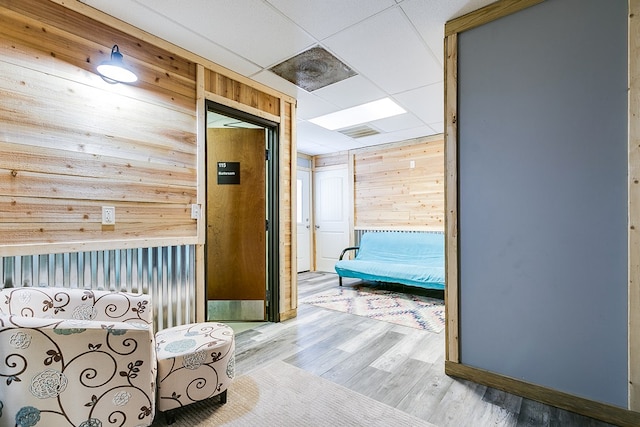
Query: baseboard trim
point(601, 411)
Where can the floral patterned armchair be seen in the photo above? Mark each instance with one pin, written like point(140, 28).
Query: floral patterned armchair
point(75, 357)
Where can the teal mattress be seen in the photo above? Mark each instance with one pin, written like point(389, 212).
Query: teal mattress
point(408, 258)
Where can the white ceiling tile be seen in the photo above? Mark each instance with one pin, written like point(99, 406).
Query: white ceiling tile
point(456, 8)
point(426, 102)
point(224, 58)
point(399, 122)
point(430, 28)
point(402, 135)
point(444, 10)
point(311, 106)
point(324, 18)
point(276, 82)
point(394, 45)
point(429, 16)
point(438, 127)
point(313, 149)
point(310, 135)
point(227, 23)
point(350, 92)
point(150, 20)
point(311, 132)
point(207, 49)
point(387, 49)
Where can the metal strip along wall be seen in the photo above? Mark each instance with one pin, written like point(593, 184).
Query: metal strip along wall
point(357, 233)
point(165, 273)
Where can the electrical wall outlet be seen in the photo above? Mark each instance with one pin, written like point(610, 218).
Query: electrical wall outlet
point(108, 215)
point(195, 211)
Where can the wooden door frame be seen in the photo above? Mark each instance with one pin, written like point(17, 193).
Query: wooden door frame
point(631, 415)
point(272, 210)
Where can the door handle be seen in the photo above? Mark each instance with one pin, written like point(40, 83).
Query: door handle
point(317, 227)
point(308, 227)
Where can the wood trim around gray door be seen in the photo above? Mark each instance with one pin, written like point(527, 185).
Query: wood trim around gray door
point(453, 366)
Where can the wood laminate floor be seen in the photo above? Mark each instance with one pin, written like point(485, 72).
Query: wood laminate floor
point(396, 365)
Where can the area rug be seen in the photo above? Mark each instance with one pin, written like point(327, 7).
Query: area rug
point(280, 394)
point(415, 311)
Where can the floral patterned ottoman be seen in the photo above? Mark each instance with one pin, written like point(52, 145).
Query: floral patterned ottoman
point(195, 362)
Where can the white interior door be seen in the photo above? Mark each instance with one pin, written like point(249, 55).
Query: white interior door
point(331, 216)
point(304, 220)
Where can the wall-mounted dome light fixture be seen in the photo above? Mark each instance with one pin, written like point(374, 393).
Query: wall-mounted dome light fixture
point(114, 71)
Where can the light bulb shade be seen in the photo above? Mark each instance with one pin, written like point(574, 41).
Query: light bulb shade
point(114, 70)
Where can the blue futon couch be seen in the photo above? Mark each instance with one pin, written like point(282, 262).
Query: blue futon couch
point(408, 258)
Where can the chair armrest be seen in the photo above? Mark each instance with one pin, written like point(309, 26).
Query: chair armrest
point(350, 248)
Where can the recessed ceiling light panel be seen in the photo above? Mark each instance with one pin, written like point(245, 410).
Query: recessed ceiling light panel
point(376, 110)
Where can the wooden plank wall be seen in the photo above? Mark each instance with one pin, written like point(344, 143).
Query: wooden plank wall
point(288, 294)
point(71, 143)
point(400, 186)
point(333, 159)
point(388, 193)
point(240, 93)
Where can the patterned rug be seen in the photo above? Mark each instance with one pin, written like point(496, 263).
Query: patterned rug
point(415, 311)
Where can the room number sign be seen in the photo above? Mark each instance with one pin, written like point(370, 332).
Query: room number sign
point(228, 173)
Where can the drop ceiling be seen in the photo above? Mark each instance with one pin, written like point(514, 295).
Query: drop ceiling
point(395, 48)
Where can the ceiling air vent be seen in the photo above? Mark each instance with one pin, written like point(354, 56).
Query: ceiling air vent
point(359, 131)
point(313, 69)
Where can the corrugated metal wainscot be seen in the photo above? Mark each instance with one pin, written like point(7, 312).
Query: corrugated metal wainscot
point(166, 273)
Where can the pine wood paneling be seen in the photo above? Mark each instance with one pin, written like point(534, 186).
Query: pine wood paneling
point(54, 232)
point(71, 143)
point(290, 113)
point(41, 210)
point(388, 193)
point(333, 159)
point(84, 43)
point(452, 331)
point(391, 194)
point(25, 184)
point(16, 157)
point(237, 91)
point(288, 295)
